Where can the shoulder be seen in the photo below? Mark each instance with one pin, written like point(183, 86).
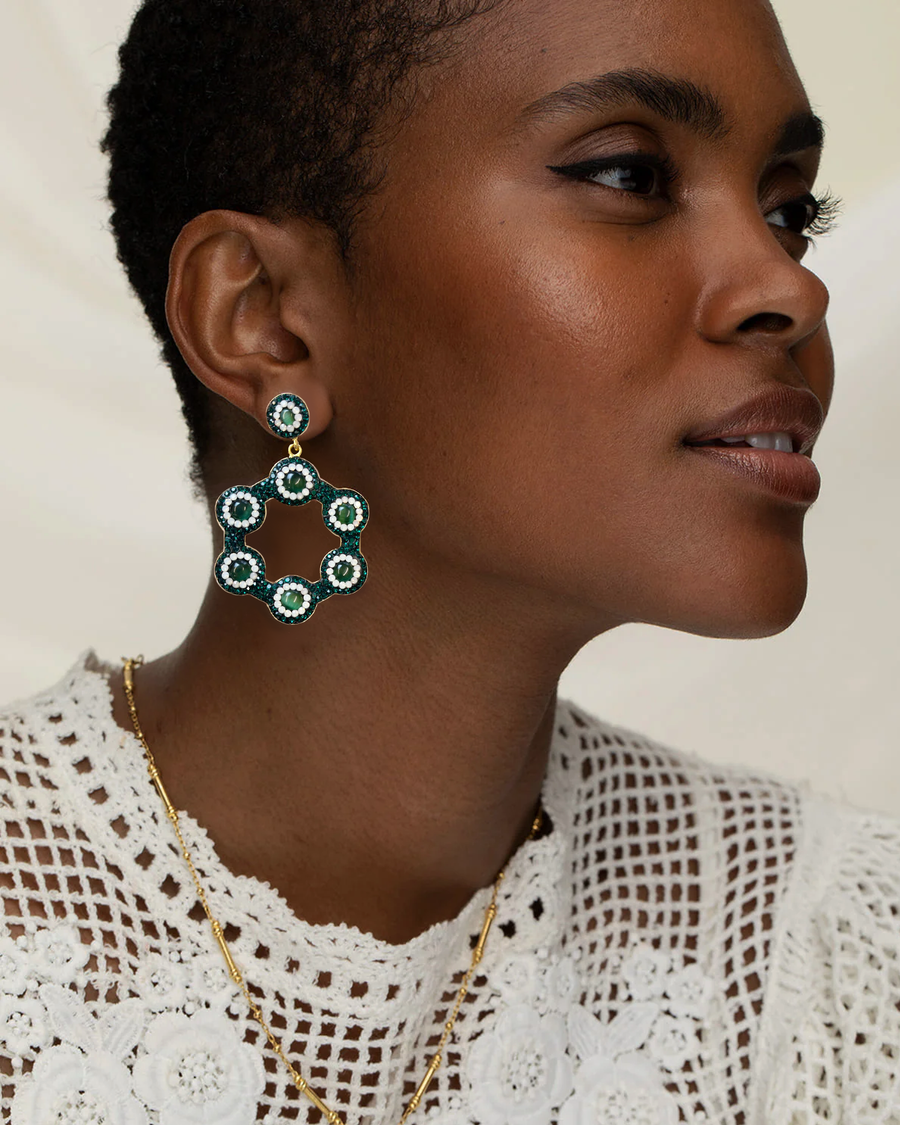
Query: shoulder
point(787, 897)
point(59, 751)
point(826, 853)
point(799, 893)
point(830, 1046)
point(730, 852)
point(747, 805)
point(838, 839)
point(47, 735)
point(48, 745)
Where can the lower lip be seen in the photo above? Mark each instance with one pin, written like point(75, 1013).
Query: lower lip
point(792, 476)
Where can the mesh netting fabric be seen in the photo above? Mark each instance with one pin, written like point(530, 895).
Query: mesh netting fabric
point(683, 942)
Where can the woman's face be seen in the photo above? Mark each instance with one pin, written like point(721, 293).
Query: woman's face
point(531, 348)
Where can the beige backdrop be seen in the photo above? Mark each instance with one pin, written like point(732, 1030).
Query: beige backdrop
point(103, 545)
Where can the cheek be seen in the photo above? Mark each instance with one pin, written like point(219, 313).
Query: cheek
point(521, 383)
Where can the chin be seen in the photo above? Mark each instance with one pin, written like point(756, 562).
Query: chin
point(748, 630)
point(741, 598)
point(744, 616)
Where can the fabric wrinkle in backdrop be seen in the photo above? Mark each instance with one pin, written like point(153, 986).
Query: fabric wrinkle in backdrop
point(103, 544)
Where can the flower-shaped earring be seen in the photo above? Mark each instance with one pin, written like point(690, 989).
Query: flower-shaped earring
point(241, 509)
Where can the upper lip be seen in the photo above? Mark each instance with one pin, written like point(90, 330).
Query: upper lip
point(779, 409)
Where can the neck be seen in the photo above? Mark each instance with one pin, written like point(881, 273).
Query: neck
point(377, 763)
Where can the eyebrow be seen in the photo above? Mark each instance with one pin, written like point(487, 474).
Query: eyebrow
point(675, 99)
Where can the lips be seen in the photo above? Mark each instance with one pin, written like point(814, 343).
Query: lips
point(790, 476)
point(778, 409)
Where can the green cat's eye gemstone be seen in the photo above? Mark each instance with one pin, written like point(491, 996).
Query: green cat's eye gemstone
point(294, 481)
point(292, 599)
point(240, 570)
point(287, 417)
point(241, 510)
point(343, 571)
point(346, 513)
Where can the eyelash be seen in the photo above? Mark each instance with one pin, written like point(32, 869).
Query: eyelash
point(826, 207)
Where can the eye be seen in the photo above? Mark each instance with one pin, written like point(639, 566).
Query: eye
point(814, 215)
point(635, 172)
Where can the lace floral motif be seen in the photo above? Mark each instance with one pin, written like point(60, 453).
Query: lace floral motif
point(69, 1087)
point(23, 1025)
point(162, 982)
point(60, 952)
point(649, 975)
point(689, 992)
point(84, 1079)
point(15, 967)
point(193, 1069)
point(542, 1055)
point(623, 1091)
point(49, 954)
point(210, 981)
point(520, 1068)
point(616, 1081)
point(545, 1052)
point(644, 972)
point(198, 1070)
point(43, 953)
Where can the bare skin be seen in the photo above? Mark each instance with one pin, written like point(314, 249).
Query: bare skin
point(507, 379)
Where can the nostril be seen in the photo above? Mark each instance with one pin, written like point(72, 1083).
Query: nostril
point(766, 322)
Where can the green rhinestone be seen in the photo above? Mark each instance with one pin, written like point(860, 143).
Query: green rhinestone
point(241, 510)
point(343, 571)
point(294, 481)
point(292, 599)
point(287, 417)
point(240, 571)
point(346, 513)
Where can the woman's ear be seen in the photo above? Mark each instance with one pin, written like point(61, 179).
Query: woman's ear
point(243, 304)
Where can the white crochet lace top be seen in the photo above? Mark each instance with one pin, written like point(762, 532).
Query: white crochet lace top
point(684, 942)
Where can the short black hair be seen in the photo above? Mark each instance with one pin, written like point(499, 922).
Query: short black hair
point(261, 106)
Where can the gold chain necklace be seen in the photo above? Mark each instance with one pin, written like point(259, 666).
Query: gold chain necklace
point(234, 972)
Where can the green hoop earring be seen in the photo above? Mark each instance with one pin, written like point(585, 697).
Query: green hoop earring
point(241, 509)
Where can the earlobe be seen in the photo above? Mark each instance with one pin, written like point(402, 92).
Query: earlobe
point(223, 307)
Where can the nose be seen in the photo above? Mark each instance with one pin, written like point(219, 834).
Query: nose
point(755, 293)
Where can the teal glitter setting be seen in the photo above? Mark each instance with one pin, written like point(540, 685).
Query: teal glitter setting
point(241, 510)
